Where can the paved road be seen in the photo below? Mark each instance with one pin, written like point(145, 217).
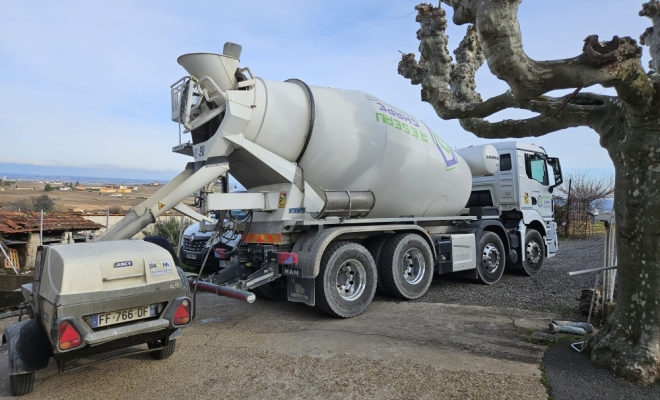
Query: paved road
point(287, 350)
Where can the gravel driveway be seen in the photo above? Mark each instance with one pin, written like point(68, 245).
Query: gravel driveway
point(552, 290)
point(569, 374)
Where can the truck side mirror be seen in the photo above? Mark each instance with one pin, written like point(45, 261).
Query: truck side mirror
point(556, 168)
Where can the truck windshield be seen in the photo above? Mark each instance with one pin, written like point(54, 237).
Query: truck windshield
point(537, 170)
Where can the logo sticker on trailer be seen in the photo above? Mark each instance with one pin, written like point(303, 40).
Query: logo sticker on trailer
point(120, 264)
point(160, 268)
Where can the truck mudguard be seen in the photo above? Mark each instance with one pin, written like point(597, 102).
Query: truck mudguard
point(310, 247)
point(478, 228)
point(28, 347)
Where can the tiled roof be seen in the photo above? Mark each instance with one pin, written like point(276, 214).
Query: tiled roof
point(22, 222)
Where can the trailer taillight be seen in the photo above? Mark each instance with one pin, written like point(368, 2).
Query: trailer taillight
point(69, 337)
point(182, 314)
point(286, 258)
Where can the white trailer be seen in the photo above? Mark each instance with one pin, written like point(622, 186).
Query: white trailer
point(346, 194)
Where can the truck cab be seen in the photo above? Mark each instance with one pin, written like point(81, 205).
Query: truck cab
point(521, 190)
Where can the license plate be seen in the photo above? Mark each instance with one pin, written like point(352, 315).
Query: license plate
point(191, 256)
point(127, 315)
point(225, 264)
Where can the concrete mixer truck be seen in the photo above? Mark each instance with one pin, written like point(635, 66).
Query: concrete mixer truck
point(346, 194)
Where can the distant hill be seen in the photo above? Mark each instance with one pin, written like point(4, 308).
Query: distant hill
point(90, 175)
point(17, 170)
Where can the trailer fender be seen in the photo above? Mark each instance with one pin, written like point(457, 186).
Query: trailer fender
point(28, 347)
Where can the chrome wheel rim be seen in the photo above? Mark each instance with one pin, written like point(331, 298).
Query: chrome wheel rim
point(414, 266)
point(351, 279)
point(533, 251)
point(491, 258)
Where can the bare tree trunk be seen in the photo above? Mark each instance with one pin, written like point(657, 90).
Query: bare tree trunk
point(628, 125)
point(630, 341)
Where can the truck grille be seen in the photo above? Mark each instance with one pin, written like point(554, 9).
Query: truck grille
point(194, 245)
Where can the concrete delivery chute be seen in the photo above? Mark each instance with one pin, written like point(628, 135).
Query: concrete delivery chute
point(347, 192)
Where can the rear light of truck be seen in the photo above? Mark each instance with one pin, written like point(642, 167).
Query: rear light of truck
point(286, 258)
point(220, 253)
point(69, 337)
point(182, 313)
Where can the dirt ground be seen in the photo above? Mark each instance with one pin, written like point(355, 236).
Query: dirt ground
point(88, 201)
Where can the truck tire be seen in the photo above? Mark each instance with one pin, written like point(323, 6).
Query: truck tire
point(346, 282)
point(375, 247)
point(490, 258)
point(406, 266)
point(168, 347)
point(21, 384)
point(531, 261)
point(275, 290)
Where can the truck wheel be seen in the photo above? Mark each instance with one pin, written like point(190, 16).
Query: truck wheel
point(406, 266)
point(346, 282)
point(168, 347)
point(21, 384)
point(275, 290)
point(490, 258)
point(375, 247)
point(531, 261)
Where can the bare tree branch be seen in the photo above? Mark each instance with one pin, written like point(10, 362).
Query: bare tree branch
point(615, 63)
point(536, 126)
point(651, 37)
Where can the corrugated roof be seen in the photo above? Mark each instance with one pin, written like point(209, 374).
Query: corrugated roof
point(22, 222)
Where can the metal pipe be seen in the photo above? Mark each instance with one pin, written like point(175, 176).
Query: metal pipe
point(41, 229)
point(588, 271)
point(223, 290)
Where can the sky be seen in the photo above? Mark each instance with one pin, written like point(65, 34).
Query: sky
point(87, 83)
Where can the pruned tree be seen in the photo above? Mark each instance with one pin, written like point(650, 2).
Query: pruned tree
point(587, 190)
point(587, 194)
point(628, 125)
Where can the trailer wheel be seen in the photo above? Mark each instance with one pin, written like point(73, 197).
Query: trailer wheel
point(490, 258)
point(375, 247)
point(346, 282)
point(406, 266)
point(21, 384)
point(167, 348)
point(531, 261)
point(275, 290)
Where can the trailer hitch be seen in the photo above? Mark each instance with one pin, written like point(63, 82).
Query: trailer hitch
point(222, 290)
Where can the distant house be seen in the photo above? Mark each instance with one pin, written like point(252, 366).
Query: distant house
point(107, 190)
point(65, 188)
point(20, 232)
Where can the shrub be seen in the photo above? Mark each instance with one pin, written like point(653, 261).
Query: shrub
point(169, 228)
